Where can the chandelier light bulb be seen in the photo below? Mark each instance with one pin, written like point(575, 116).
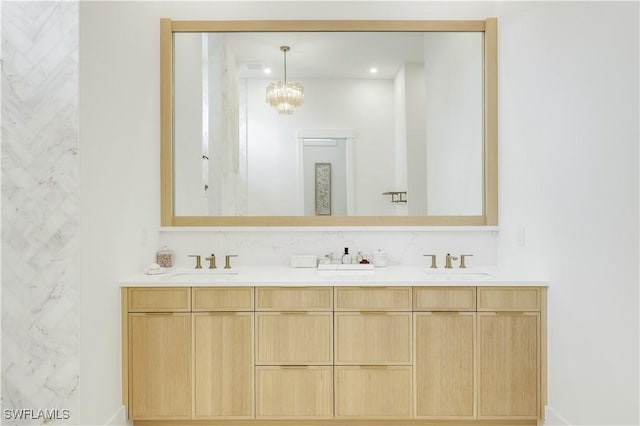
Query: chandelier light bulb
point(285, 96)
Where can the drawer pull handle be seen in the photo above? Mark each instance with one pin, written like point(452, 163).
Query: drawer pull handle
point(289, 367)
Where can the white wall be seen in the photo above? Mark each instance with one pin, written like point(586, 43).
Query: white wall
point(454, 77)
point(568, 96)
point(190, 198)
point(569, 174)
point(415, 108)
point(400, 137)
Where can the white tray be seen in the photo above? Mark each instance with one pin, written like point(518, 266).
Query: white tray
point(345, 266)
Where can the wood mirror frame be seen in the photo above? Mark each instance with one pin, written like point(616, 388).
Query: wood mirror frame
point(490, 149)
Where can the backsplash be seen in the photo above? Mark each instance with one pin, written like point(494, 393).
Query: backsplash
point(275, 246)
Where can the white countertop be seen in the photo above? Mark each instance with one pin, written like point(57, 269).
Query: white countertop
point(397, 275)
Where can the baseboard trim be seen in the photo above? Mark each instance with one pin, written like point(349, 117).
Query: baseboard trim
point(119, 418)
point(552, 418)
point(335, 422)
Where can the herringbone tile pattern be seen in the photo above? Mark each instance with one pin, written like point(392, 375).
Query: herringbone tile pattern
point(40, 277)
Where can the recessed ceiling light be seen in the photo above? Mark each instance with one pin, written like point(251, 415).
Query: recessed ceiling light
point(373, 70)
point(267, 70)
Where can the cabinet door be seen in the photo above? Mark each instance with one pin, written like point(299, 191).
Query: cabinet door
point(294, 392)
point(508, 364)
point(444, 364)
point(223, 363)
point(373, 392)
point(160, 366)
point(373, 338)
point(294, 338)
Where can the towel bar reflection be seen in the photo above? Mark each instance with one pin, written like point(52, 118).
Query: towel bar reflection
point(397, 196)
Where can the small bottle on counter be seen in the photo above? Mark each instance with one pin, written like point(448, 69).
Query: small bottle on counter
point(346, 257)
point(164, 257)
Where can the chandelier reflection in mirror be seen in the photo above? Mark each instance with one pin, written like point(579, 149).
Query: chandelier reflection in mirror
point(285, 96)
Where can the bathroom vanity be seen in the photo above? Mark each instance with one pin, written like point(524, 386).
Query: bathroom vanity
point(318, 349)
point(282, 346)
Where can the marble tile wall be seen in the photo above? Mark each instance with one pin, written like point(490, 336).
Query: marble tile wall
point(40, 261)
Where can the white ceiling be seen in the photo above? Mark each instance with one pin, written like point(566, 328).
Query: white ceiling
point(325, 55)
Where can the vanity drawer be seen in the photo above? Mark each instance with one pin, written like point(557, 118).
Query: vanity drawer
point(222, 298)
point(294, 298)
point(294, 392)
point(372, 298)
point(294, 338)
point(159, 299)
point(373, 392)
point(509, 299)
point(453, 299)
point(373, 338)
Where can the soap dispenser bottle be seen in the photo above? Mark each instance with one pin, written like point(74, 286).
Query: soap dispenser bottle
point(346, 257)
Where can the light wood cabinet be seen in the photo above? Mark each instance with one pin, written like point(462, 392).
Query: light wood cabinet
point(334, 355)
point(509, 299)
point(444, 364)
point(511, 366)
point(301, 338)
point(294, 299)
point(294, 392)
point(372, 298)
point(508, 364)
point(223, 365)
point(363, 338)
point(435, 299)
point(294, 353)
point(154, 299)
point(373, 392)
point(160, 366)
point(237, 299)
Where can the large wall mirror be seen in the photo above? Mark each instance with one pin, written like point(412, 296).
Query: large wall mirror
point(398, 123)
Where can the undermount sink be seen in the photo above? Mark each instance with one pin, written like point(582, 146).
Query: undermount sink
point(202, 275)
point(457, 275)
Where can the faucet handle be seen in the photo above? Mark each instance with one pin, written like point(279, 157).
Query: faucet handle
point(212, 261)
point(433, 260)
point(227, 258)
point(462, 256)
point(198, 264)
